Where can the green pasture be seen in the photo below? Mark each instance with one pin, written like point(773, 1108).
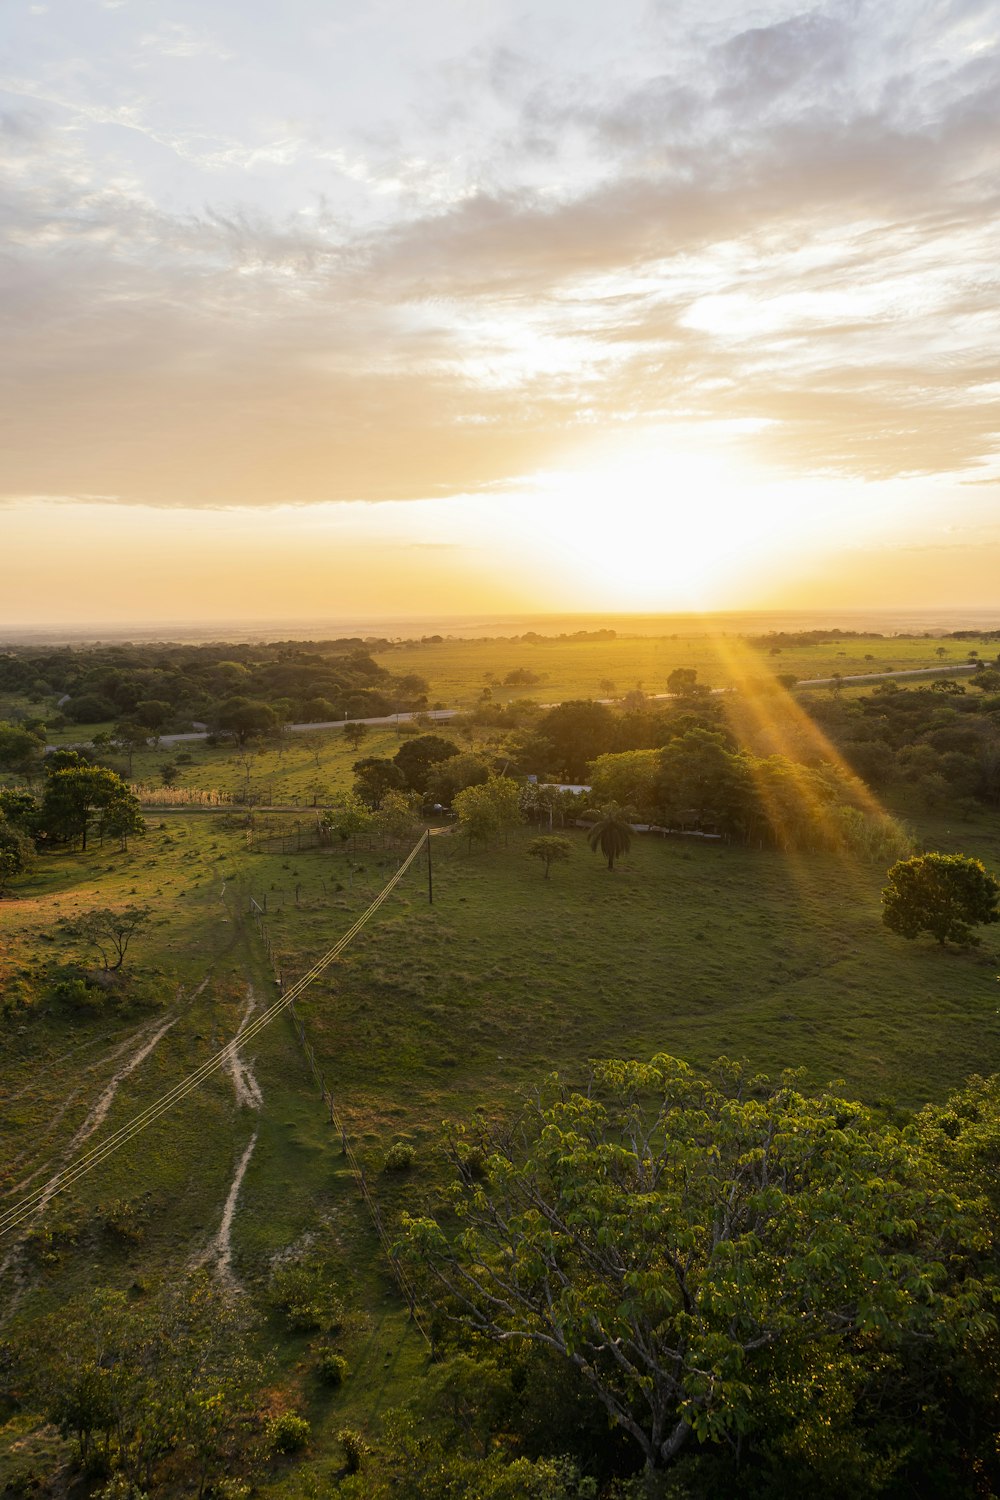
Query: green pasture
point(458, 671)
point(198, 961)
point(435, 1011)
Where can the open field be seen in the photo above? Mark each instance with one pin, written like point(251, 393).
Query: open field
point(457, 671)
point(690, 946)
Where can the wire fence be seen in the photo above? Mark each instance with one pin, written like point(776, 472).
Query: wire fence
point(30, 1204)
point(313, 836)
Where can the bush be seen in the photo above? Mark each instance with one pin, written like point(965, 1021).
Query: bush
point(287, 1433)
point(354, 1447)
point(332, 1368)
point(304, 1293)
point(400, 1157)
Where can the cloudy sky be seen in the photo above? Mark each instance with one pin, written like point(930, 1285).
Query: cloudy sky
point(429, 305)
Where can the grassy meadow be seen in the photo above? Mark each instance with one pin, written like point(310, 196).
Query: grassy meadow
point(457, 671)
point(689, 946)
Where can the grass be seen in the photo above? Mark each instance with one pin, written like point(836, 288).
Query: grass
point(457, 671)
point(689, 947)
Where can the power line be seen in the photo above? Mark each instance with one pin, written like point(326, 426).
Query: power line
point(27, 1206)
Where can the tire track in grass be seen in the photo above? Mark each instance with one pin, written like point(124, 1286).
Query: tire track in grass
point(12, 1263)
point(219, 1252)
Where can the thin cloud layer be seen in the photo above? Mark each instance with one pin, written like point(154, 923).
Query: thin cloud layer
point(355, 260)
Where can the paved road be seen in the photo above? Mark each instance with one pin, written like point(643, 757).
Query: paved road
point(439, 714)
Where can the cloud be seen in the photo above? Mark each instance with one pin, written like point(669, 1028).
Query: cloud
point(789, 224)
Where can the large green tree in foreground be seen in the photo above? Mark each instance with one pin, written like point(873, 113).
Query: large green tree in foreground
point(716, 1257)
point(945, 895)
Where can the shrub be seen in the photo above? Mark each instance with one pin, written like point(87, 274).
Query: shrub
point(287, 1433)
point(354, 1447)
point(303, 1292)
point(332, 1368)
point(400, 1157)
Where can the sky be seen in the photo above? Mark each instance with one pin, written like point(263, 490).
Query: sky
point(435, 306)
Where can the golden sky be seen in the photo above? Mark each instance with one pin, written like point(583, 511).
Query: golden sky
point(442, 307)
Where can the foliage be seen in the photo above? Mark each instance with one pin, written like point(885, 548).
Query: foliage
point(683, 683)
point(17, 853)
point(112, 931)
point(288, 1432)
point(448, 777)
point(348, 819)
point(417, 757)
point(168, 1375)
point(396, 820)
point(77, 794)
point(304, 1291)
point(400, 1157)
point(354, 734)
point(355, 1448)
point(331, 1367)
point(612, 834)
point(245, 718)
point(374, 776)
point(714, 1256)
point(488, 810)
point(578, 732)
point(20, 750)
point(550, 849)
point(629, 777)
point(945, 895)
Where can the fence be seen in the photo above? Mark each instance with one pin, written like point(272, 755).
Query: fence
point(263, 842)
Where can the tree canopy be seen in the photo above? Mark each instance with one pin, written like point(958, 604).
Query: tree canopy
point(718, 1258)
point(945, 895)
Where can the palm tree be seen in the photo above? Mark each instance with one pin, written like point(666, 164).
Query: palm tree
point(613, 834)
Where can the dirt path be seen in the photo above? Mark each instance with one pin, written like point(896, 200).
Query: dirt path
point(245, 1085)
point(219, 1253)
point(151, 1036)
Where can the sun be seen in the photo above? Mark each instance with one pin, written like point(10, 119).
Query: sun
point(655, 527)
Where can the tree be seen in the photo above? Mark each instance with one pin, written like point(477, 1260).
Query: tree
point(578, 732)
point(129, 737)
point(354, 734)
point(630, 778)
point(74, 796)
point(716, 1257)
point(373, 777)
point(683, 683)
point(17, 852)
point(613, 834)
point(170, 772)
point(448, 777)
point(167, 1377)
point(348, 819)
point(418, 757)
point(111, 932)
point(550, 849)
point(20, 751)
point(245, 718)
point(945, 895)
point(486, 811)
point(123, 817)
point(396, 820)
